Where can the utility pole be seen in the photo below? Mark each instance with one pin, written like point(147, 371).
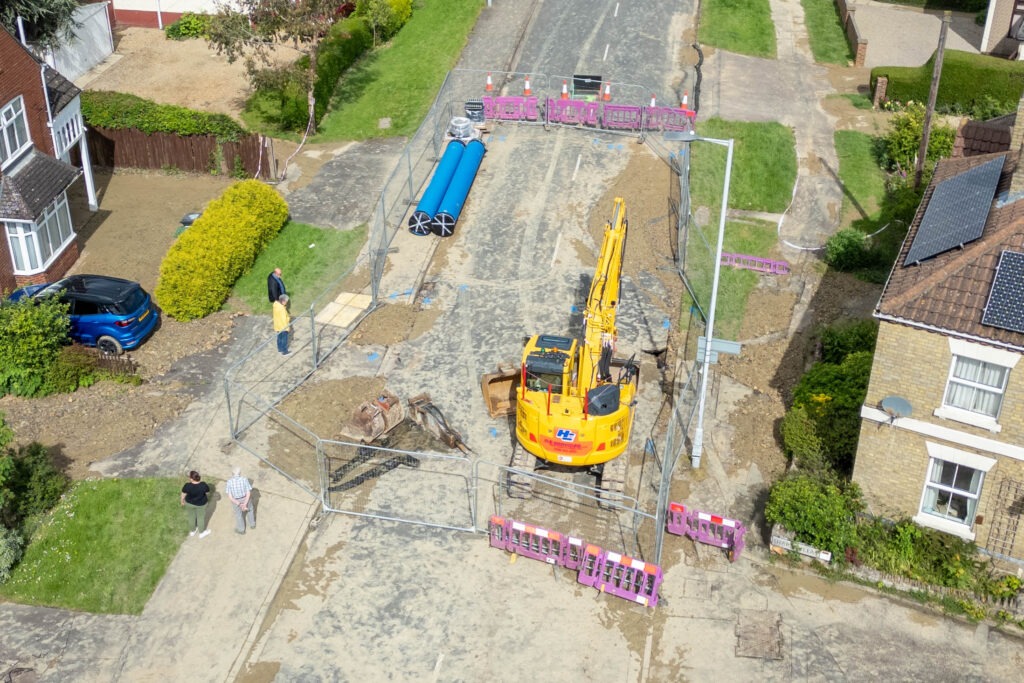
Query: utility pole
point(926, 128)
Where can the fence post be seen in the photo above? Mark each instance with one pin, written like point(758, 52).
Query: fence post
point(227, 402)
point(312, 337)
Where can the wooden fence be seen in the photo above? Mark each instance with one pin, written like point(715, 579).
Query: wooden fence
point(131, 148)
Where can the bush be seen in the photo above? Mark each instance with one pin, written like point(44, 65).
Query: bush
point(190, 25)
point(202, 265)
point(12, 546)
point(847, 250)
point(32, 333)
point(118, 111)
point(842, 339)
point(819, 512)
point(33, 484)
point(903, 141)
point(74, 367)
point(801, 442)
point(832, 394)
point(926, 555)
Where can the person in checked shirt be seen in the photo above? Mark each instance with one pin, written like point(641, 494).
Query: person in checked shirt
point(239, 490)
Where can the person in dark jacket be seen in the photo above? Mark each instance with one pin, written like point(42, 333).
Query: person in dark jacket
point(275, 285)
point(194, 496)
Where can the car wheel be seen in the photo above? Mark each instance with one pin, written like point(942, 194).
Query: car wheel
point(109, 346)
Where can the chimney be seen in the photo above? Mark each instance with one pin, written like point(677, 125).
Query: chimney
point(1016, 143)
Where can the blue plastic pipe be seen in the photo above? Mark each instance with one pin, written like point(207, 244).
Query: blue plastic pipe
point(451, 205)
point(419, 221)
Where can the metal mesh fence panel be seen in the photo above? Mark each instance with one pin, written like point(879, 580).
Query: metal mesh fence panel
point(430, 489)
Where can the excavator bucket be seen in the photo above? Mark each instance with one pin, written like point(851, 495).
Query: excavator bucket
point(500, 390)
point(375, 418)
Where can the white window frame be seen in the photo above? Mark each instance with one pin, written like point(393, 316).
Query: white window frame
point(10, 114)
point(24, 238)
point(941, 454)
point(985, 354)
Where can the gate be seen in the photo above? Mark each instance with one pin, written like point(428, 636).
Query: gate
point(416, 487)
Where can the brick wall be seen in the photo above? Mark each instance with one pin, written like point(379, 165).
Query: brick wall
point(20, 75)
point(57, 269)
point(858, 43)
point(892, 462)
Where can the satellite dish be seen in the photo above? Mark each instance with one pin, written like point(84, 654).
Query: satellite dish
point(896, 406)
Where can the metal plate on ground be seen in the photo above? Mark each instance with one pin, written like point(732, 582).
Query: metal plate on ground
point(759, 634)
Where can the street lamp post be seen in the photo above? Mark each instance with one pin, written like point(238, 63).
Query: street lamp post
point(698, 435)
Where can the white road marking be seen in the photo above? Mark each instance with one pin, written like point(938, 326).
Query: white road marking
point(616, 10)
point(576, 170)
point(554, 256)
point(437, 666)
point(605, 58)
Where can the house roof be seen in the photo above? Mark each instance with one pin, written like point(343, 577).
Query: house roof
point(28, 187)
point(984, 137)
point(59, 90)
point(949, 291)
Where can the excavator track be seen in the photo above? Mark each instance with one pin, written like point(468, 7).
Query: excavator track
point(612, 482)
point(519, 485)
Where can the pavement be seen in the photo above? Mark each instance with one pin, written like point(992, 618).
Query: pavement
point(339, 598)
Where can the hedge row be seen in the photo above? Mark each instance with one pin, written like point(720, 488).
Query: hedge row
point(346, 42)
point(967, 79)
point(200, 268)
point(118, 110)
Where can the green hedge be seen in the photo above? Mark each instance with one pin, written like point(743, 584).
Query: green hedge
point(967, 79)
point(32, 334)
point(118, 110)
point(197, 274)
point(346, 42)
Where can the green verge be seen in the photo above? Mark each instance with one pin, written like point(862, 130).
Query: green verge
point(860, 173)
point(825, 31)
point(741, 26)
point(103, 549)
point(401, 80)
point(310, 259)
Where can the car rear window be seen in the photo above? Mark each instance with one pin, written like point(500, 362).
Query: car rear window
point(132, 301)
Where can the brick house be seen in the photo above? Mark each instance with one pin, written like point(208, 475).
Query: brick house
point(40, 122)
point(942, 427)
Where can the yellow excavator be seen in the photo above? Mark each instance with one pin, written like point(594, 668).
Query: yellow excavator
point(574, 400)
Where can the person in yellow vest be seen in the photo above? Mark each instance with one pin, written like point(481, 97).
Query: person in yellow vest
point(282, 323)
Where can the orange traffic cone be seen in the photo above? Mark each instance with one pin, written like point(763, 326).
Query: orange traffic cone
point(526, 88)
point(607, 92)
point(653, 103)
point(686, 98)
point(565, 90)
point(490, 83)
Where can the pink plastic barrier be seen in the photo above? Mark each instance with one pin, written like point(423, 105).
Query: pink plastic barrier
point(572, 553)
point(761, 265)
point(669, 118)
point(511, 108)
point(590, 568)
point(498, 529)
point(706, 528)
point(630, 578)
point(573, 112)
point(621, 116)
point(536, 543)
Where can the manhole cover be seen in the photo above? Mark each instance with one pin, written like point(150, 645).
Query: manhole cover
point(759, 634)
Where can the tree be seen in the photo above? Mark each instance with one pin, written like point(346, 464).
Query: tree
point(380, 15)
point(252, 30)
point(46, 22)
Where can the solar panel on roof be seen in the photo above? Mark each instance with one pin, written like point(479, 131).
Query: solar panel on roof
point(1005, 308)
point(957, 211)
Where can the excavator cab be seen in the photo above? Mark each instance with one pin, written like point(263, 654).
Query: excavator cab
point(548, 363)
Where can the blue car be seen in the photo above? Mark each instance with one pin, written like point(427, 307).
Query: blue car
point(109, 313)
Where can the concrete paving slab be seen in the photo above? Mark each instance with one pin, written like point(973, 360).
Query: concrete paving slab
point(908, 36)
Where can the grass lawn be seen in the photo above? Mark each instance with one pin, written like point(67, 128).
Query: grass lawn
point(400, 81)
point(753, 237)
point(310, 259)
point(828, 40)
point(743, 26)
point(763, 166)
point(857, 100)
point(862, 177)
point(103, 549)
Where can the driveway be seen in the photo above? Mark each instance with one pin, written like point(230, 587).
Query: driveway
point(908, 36)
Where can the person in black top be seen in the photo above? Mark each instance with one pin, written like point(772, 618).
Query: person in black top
point(194, 496)
point(275, 285)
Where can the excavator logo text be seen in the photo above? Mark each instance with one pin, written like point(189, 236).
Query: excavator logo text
point(566, 435)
